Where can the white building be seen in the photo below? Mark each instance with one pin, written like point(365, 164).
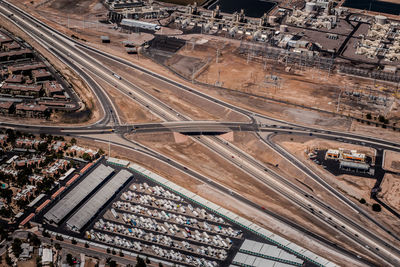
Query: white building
point(47, 256)
point(131, 23)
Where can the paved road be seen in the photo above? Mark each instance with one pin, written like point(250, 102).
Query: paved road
point(61, 47)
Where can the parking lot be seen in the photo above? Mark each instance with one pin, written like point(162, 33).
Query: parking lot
point(149, 219)
point(136, 212)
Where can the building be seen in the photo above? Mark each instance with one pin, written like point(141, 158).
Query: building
point(58, 146)
point(10, 46)
point(40, 75)
point(353, 156)
point(47, 257)
point(132, 24)
point(332, 153)
point(25, 68)
point(22, 89)
point(79, 151)
point(56, 168)
point(354, 166)
point(3, 139)
point(123, 4)
point(25, 193)
point(31, 111)
point(53, 88)
point(4, 39)
point(27, 250)
point(7, 108)
point(15, 54)
point(15, 78)
point(28, 143)
point(345, 155)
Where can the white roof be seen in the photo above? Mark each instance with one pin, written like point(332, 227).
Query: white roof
point(47, 256)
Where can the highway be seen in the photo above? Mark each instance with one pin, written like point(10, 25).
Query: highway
point(90, 69)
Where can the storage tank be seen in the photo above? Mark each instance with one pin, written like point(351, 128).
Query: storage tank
point(310, 7)
point(283, 28)
point(380, 19)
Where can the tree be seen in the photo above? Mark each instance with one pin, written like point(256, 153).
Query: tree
point(381, 118)
point(16, 247)
point(376, 207)
point(147, 260)
point(86, 245)
point(35, 240)
point(38, 261)
point(8, 260)
point(368, 116)
point(46, 234)
point(73, 141)
point(70, 260)
point(108, 250)
point(121, 254)
point(100, 152)
point(140, 262)
point(160, 265)
point(57, 246)
point(362, 201)
point(86, 156)
point(73, 241)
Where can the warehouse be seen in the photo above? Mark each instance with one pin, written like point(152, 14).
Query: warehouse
point(93, 205)
point(131, 24)
point(76, 195)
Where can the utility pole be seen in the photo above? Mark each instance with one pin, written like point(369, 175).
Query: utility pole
point(338, 104)
point(109, 146)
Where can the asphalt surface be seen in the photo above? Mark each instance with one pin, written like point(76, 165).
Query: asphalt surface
point(161, 109)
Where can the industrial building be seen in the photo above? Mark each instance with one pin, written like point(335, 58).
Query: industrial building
point(93, 205)
point(78, 194)
point(355, 166)
point(132, 24)
point(346, 155)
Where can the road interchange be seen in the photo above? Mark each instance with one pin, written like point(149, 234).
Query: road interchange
point(110, 121)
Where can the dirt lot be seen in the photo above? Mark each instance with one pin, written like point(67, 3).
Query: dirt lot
point(354, 187)
point(392, 161)
point(316, 89)
point(390, 193)
point(185, 102)
point(198, 158)
point(128, 110)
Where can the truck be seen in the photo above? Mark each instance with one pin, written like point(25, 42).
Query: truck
point(117, 76)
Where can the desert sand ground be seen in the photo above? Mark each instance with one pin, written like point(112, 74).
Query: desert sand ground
point(353, 187)
point(390, 193)
point(392, 161)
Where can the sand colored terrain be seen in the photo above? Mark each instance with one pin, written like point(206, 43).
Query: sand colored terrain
point(392, 161)
point(184, 102)
point(316, 88)
point(353, 187)
point(128, 110)
point(390, 193)
point(226, 200)
point(371, 130)
point(198, 158)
